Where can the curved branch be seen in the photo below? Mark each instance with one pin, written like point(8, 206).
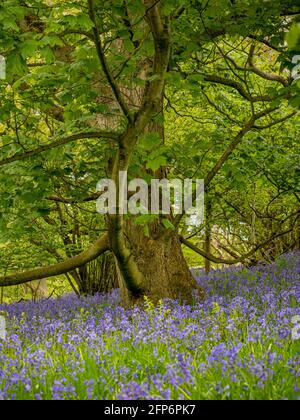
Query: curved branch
point(92, 197)
point(234, 144)
point(272, 124)
point(228, 152)
point(153, 96)
point(98, 248)
point(272, 77)
point(266, 42)
point(58, 143)
point(238, 87)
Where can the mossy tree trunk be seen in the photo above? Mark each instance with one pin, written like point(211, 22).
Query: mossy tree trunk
point(161, 269)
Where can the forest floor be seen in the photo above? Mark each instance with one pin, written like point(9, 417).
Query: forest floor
point(242, 343)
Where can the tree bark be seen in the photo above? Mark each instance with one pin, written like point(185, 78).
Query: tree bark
point(160, 260)
point(208, 237)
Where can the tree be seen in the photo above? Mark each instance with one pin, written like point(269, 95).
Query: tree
point(87, 84)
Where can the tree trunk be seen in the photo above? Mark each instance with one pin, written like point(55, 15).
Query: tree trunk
point(37, 289)
point(151, 266)
point(208, 237)
point(297, 241)
point(208, 250)
point(160, 260)
point(98, 276)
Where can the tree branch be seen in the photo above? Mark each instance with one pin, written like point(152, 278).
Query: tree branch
point(238, 87)
point(241, 259)
point(151, 106)
point(233, 145)
point(228, 152)
point(57, 199)
point(98, 248)
point(266, 42)
point(272, 124)
point(153, 97)
point(272, 77)
point(104, 64)
point(58, 143)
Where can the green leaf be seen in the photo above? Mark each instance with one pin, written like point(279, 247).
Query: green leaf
point(295, 101)
point(10, 23)
point(145, 219)
point(293, 36)
point(195, 79)
point(157, 163)
point(48, 55)
point(138, 35)
point(136, 8)
point(167, 224)
point(16, 65)
point(150, 141)
point(85, 22)
point(28, 48)
point(30, 197)
point(44, 211)
point(173, 77)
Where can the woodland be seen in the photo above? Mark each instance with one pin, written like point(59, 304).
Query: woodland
point(149, 306)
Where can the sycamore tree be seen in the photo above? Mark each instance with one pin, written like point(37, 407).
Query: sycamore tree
point(88, 91)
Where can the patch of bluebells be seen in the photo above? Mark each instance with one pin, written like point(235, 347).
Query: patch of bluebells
point(238, 344)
